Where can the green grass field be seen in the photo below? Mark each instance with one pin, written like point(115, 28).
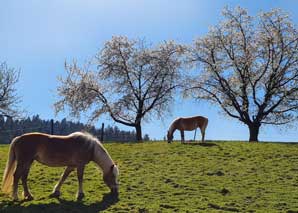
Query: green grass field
point(161, 177)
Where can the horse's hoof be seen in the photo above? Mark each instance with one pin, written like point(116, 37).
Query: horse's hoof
point(28, 198)
point(80, 196)
point(55, 194)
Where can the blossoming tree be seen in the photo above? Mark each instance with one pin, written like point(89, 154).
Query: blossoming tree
point(133, 81)
point(249, 68)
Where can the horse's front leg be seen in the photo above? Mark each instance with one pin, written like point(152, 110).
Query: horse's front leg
point(56, 191)
point(182, 136)
point(80, 173)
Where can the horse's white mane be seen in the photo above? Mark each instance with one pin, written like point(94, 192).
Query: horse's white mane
point(85, 135)
point(94, 141)
point(88, 138)
point(116, 171)
point(171, 127)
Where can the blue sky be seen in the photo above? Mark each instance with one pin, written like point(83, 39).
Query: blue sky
point(38, 36)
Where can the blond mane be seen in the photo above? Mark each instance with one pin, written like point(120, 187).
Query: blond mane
point(88, 138)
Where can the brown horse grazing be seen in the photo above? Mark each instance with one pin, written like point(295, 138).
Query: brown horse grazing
point(188, 124)
point(73, 151)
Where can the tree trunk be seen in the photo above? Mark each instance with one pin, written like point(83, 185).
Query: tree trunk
point(254, 132)
point(138, 132)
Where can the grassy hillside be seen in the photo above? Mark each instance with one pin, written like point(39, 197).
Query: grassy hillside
point(161, 177)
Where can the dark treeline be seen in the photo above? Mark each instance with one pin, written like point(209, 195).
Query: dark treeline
point(10, 128)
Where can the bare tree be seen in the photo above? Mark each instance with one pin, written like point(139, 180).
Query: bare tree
point(250, 68)
point(8, 97)
point(132, 82)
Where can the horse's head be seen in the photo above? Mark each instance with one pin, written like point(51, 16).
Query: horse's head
point(170, 137)
point(110, 179)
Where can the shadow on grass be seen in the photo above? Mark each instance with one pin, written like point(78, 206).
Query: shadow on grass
point(63, 206)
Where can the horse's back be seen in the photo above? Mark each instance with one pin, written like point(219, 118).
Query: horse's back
point(53, 150)
point(191, 123)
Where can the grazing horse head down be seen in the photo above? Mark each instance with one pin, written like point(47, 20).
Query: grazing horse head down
point(187, 124)
point(105, 162)
point(110, 179)
point(169, 136)
point(73, 151)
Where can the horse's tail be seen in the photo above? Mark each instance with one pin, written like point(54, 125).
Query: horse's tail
point(9, 169)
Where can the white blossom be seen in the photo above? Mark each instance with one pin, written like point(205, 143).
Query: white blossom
point(249, 67)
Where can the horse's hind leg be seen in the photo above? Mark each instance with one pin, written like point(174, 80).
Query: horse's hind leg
point(16, 177)
point(80, 172)
point(27, 194)
point(56, 191)
point(203, 129)
point(203, 135)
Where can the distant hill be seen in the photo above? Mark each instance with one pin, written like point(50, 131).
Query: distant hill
point(10, 128)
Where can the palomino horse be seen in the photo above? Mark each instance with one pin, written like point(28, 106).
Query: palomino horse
point(73, 151)
point(188, 124)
